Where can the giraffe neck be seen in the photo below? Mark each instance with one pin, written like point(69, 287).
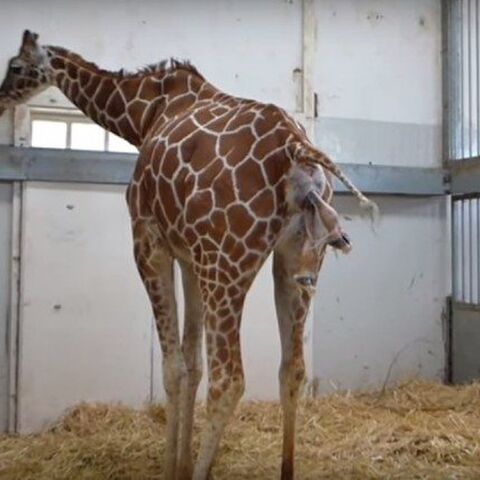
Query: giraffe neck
point(127, 104)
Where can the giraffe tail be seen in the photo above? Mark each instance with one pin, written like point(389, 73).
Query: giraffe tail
point(301, 152)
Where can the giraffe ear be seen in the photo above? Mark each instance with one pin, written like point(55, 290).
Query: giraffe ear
point(29, 41)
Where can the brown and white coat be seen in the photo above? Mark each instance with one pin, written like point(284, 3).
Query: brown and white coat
point(220, 183)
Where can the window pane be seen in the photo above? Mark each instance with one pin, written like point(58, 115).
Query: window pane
point(87, 136)
point(49, 134)
point(117, 144)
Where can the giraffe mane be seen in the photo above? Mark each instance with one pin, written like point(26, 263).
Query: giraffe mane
point(164, 66)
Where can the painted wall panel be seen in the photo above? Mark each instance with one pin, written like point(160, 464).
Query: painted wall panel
point(379, 60)
point(378, 79)
point(5, 254)
point(85, 319)
point(378, 311)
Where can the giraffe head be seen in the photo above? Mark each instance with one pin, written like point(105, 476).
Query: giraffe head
point(27, 73)
point(317, 223)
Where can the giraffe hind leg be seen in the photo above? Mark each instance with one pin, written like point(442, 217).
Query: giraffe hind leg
point(225, 372)
point(192, 352)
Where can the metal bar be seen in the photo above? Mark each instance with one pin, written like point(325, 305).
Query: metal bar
point(462, 243)
point(477, 60)
point(106, 141)
point(469, 70)
point(14, 311)
point(446, 81)
point(308, 64)
point(80, 166)
point(462, 121)
point(455, 77)
point(478, 250)
point(470, 245)
point(466, 306)
point(454, 240)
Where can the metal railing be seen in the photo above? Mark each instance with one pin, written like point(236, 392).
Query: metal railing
point(463, 79)
point(466, 249)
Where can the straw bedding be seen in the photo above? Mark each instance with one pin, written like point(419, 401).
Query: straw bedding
point(416, 430)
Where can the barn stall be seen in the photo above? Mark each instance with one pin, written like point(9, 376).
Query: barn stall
point(388, 89)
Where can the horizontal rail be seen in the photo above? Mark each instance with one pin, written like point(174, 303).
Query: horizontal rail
point(465, 176)
point(465, 306)
point(41, 164)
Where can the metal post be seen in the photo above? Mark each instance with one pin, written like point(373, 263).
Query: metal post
point(469, 73)
point(455, 77)
point(462, 251)
point(309, 23)
point(14, 312)
point(446, 82)
point(308, 53)
point(462, 120)
point(454, 240)
point(478, 250)
point(477, 60)
point(470, 249)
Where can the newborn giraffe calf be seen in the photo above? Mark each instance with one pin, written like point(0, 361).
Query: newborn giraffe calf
point(308, 195)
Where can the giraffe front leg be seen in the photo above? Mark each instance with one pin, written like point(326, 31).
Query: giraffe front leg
point(292, 301)
point(156, 270)
point(225, 376)
point(192, 352)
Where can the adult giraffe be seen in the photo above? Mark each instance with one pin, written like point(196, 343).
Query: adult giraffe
point(220, 183)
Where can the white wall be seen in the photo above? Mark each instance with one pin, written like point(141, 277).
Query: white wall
point(378, 76)
point(379, 60)
point(379, 310)
point(84, 317)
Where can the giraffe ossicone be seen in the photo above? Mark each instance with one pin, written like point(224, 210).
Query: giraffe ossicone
point(221, 182)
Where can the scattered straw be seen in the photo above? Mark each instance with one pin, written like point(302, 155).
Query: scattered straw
point(415, 431)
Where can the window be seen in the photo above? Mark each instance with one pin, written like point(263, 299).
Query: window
point(49, 133)
point(73, 131)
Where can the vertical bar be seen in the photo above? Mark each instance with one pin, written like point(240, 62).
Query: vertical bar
point(15, 312)
point(68, 140)
point(454, 240)
point(455, 250)
point(462, 252)
point(309, 36)
point(308, 61)
point(470, 249)
point(469, 73)
point(477, 60)
point(462, 81)
point(446, 81)
point(478, 250)
point(454, 76)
